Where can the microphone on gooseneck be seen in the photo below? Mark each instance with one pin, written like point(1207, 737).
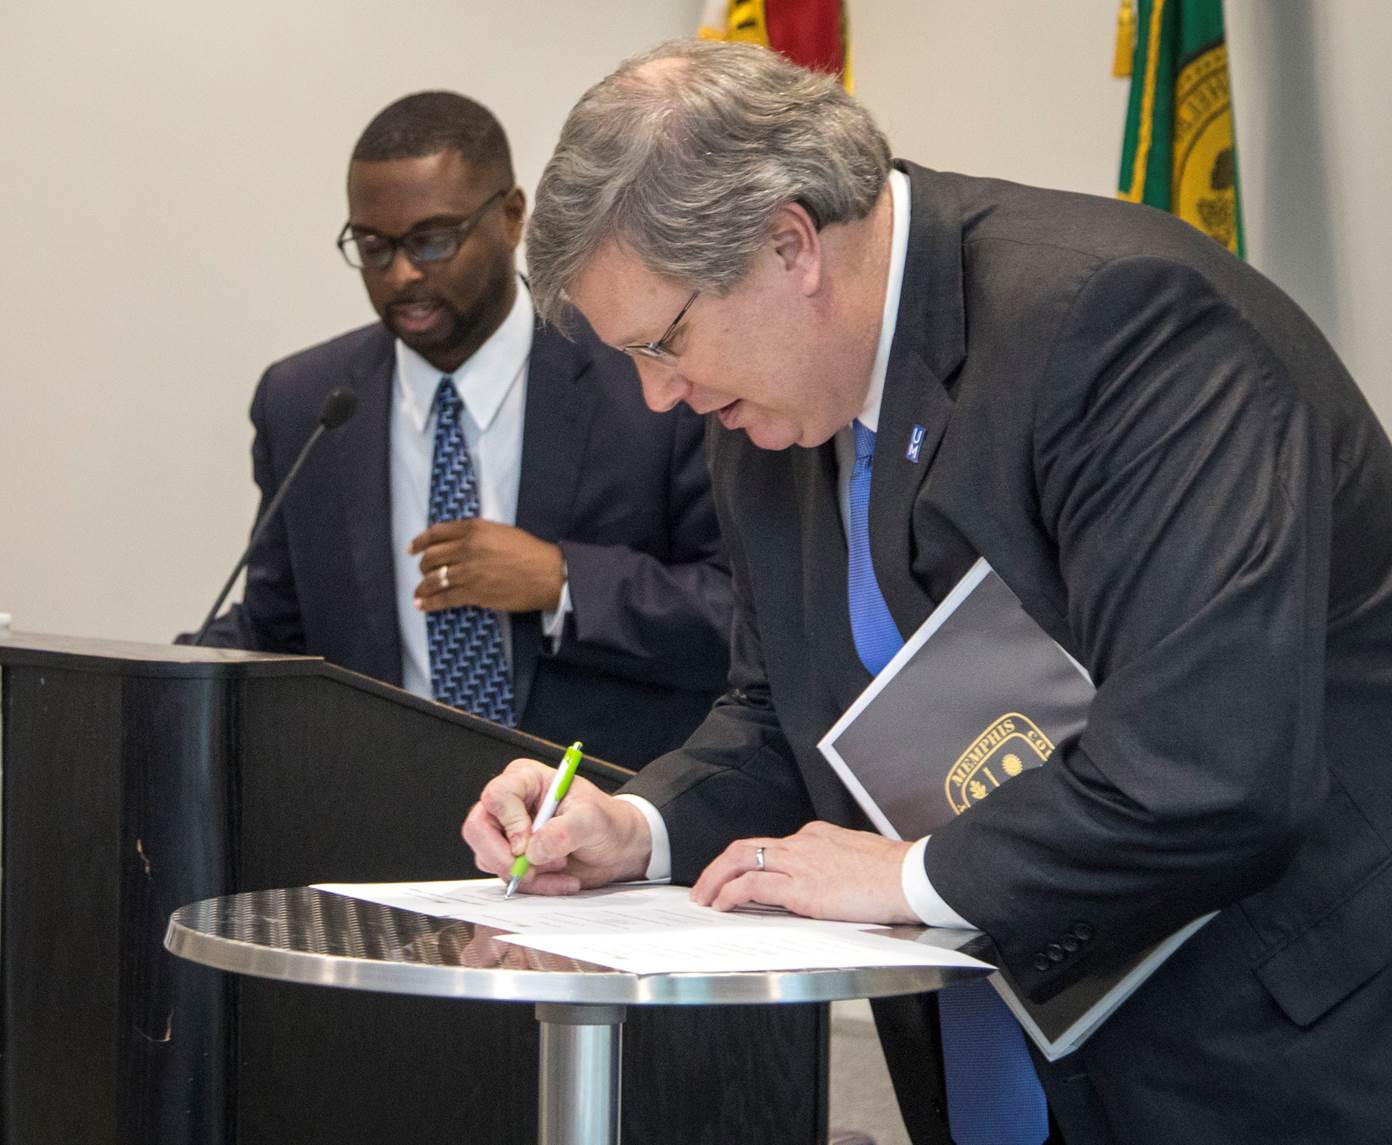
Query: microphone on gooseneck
point(338, 407)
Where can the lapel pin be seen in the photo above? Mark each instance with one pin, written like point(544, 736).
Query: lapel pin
point(915, 443)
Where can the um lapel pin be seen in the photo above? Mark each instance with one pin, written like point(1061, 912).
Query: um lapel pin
point(915, 443)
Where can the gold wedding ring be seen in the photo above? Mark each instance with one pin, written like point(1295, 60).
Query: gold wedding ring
point(759, 858)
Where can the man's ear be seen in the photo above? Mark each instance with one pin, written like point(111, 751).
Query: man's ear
point(798, 246)
point(514, 210)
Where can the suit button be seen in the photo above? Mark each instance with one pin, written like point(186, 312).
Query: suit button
point(1054, 952)
point(1082, 931)
point(1069, 942)
point(1041, 961)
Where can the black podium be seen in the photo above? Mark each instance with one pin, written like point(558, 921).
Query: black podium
point(137, 778)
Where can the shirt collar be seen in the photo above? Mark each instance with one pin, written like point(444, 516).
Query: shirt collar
point(869, 415)
point(483, 381)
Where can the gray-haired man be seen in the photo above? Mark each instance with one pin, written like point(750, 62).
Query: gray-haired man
point(1154, 448)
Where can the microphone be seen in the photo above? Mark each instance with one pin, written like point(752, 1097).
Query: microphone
point(338, 407)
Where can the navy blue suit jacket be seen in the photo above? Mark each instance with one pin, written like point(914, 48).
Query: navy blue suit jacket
point(624, 492)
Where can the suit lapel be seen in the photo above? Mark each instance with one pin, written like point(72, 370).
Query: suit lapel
point(557, 426)
point(363, 448)
point(556, 429)
point(929, 345)
point(957, 519)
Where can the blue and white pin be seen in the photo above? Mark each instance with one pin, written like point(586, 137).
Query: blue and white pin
point(915, 443)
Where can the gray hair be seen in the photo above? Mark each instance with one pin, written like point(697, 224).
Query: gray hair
point(685, 162)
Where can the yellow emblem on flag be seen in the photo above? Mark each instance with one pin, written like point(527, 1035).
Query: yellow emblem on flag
point(1011, 743)
point(1178, 151)
point(1205, 175)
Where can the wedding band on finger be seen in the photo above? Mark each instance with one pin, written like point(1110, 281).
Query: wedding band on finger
point(444, 576)
point(759, 858)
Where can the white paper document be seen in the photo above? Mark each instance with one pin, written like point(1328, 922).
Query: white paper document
point(649, 928)
point(618, 908)
point(744, 948)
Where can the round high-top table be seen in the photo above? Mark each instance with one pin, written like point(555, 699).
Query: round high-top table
point(318, 938)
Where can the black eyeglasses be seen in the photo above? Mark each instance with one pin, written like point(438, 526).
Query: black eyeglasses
point(660, 351)
point(372, 251)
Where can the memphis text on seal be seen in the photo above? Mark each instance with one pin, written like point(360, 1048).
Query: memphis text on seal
point(1010, 744)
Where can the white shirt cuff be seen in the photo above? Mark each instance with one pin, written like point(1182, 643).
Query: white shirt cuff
point(553, 621)
point(660, 862)
point(923, 899)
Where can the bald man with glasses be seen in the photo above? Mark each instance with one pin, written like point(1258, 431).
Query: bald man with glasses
point(504, 526)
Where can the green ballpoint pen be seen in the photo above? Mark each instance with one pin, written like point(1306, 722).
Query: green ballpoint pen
point(559, 786)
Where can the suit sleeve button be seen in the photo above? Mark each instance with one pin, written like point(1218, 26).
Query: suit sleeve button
point(1069, 942)
point(1082, 931)
point(1041, 961)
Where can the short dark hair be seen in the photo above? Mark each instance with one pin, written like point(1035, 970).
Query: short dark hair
point(429, 122)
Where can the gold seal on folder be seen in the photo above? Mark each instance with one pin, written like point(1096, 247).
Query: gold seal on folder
point(1012, 743)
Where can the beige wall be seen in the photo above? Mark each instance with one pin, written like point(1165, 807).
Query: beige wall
point(171, 182)
point(1313, 104)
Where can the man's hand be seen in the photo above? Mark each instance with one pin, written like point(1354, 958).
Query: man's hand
point(821, 872)
point(592, 839)
point(480, 562)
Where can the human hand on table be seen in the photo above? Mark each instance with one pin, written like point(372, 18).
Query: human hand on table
point(591, 840)
point(821, 872)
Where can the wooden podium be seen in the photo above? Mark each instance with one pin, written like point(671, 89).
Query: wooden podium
point(137, 778)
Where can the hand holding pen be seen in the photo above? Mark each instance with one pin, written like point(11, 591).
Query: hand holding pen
point(559, 786)
point(599, 839)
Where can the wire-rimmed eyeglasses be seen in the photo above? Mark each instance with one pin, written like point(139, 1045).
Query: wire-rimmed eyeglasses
point(372, 251)
point(660, 351)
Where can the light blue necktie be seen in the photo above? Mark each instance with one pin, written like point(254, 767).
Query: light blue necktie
point(993, 1094)
point(468, 664)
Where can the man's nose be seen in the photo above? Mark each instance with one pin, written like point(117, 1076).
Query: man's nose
point(401, 271)
point(663, 386)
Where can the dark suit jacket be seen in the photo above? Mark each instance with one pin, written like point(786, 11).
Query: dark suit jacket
point(1165, 460)
point(624, 491)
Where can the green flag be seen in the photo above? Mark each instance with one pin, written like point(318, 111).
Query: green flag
point(1179, 153)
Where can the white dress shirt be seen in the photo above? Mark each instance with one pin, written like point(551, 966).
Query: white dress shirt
point(492, 384)
point(923, 899)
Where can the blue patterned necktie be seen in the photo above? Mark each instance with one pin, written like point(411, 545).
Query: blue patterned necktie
point(468, 663)
point(993, 1093)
